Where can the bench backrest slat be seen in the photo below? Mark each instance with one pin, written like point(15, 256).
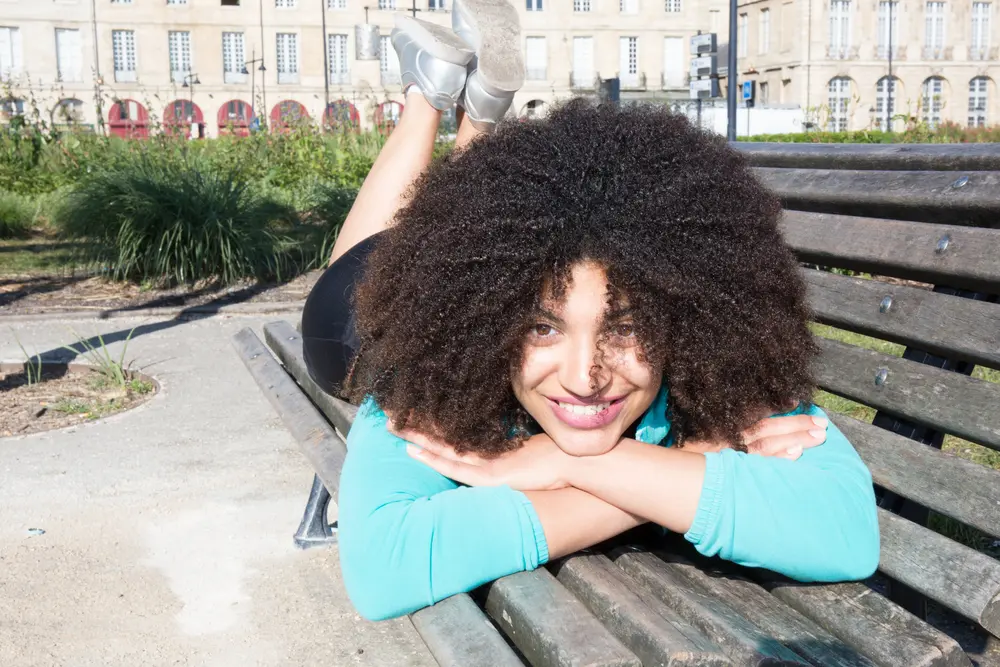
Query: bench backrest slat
point(964, 257)
point(938, 323)
point(946, 401)
point(885, 157)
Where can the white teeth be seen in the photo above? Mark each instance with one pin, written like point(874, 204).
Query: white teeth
point(584, 409)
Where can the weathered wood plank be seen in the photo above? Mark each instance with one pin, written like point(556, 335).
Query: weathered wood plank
point(950, 255)
point(949, 326)
point(321, 446)
point(287, 345)
point(740, 639)
point(549, 626)
point(458, 634)
point(944, 400)
point(958, 577)
point(964, 490)
point(657, 636)
point(771, 615)
point(889, 635)
point(927, 196)
point(906, 157)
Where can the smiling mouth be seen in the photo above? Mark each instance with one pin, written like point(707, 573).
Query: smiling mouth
point(593, 415)
point(576, 409)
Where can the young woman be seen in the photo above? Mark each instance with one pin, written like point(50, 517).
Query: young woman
point(578, 325)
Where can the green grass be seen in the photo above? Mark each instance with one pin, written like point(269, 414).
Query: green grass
point(40, 254)
point(962, 448)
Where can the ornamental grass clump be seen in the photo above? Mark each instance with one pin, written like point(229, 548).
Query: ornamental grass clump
point(166, 219)
point(16, 216)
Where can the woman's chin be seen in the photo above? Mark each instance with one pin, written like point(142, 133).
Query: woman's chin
point(579, 442)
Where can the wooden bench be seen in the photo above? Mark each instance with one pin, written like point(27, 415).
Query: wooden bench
point(921, 226)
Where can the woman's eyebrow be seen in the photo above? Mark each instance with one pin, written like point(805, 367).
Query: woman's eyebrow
point(547, 314)
point(619, 313)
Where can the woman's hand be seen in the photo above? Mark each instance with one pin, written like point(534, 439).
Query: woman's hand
point(784, 437)
point(537, 465)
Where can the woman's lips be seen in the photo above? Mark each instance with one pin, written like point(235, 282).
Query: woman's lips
point(582, 416)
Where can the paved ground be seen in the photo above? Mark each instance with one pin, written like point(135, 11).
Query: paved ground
point(168, 529)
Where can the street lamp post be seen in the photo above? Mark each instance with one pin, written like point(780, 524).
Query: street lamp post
point(190, 81)
point(253, 77)
point(888, 83)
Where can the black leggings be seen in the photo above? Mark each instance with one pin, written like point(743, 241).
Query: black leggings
point(329, 336)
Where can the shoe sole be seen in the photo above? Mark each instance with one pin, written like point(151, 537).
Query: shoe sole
point(436, 40)
point(501, 65)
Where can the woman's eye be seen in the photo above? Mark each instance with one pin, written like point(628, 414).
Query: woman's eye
point(542, 330)
point(624, 330)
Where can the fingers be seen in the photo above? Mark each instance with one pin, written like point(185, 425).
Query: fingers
point(459, 471)
point(773, 426)
point(435, 445)
point(787, 445)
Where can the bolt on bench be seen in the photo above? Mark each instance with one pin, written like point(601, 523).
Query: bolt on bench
point(924, 223)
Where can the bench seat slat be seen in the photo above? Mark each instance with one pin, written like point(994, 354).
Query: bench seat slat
point(656, 634)
point(742, 641)
point(867, 621)
point(958, 577)
point(550, 626)
point(944, 400)
point(458, 634)
point(927, 196)
point(946, 325)
point(890, 157)
point(896, 248)
point(770, 614)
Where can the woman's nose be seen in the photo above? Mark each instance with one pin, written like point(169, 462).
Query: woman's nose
point(582, 370)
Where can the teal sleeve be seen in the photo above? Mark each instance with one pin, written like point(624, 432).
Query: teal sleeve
point(813, 519)
point(410, 537)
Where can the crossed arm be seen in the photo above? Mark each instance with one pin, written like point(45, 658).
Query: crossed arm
point(410, 536)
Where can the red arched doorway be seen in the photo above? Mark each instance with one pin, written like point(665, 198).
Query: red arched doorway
point(387, 115)
point(342, 115)
point(287, 113)
point(234, 118)
point(178, 117)
point(128, 119)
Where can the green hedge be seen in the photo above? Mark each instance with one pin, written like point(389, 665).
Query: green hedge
point(946, 133)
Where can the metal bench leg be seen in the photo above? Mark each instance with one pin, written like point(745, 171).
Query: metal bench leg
point(314, 531)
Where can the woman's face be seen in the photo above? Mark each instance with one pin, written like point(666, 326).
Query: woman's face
point(581, 378)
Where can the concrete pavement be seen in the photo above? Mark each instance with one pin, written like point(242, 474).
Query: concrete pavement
point(168, 529)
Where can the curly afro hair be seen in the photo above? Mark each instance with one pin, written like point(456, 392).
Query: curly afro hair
point(684, 232)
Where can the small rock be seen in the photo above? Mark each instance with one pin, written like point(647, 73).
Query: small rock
point(36, 531)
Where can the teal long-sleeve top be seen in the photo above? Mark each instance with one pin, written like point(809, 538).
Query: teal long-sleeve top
point(410, 537)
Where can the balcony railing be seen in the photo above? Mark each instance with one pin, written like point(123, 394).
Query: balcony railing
point(936, 53)
point(340, 78)
point(674, 81)
point(583, 81)
point(390, 78)
point(125, 75)
point(632, 81)
point(842, 52)
point(898, 52)
point(288, 77)
point(234, 77)
point(983, 53)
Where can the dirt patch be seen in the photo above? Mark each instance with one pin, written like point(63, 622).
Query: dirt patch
point(32, 294)
point(64, 396)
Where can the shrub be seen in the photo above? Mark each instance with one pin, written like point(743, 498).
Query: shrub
point(177, 218)
point(329, 208)
point(16, 216)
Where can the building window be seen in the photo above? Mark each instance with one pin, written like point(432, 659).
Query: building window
point(123, 50)
point(934, 30)
point(234, 57)
point(628, 61)
point(230, 3)
point(534, 5)
point(672, 6)
point(69, 54)
point(339, 5)
point(121, 2)
point(285, 4)
point(583, 62)
point(674, 61)
point(888, 32)
point(437, 5)
point(336, 53)
point(581, 5)
point(177, 2)
point(288, 57)
point(932, 94)
point(762, 95)
point(764, 38)
point(885, 100)
point(840, 29)
point(978, 97)
point(179, 48)
point(744, 34)
point(628, 6)
point(10, 52)
point(388, 62)
point(386, 4)
point(536, 59)
point(980, 39)
point(839, 90)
